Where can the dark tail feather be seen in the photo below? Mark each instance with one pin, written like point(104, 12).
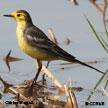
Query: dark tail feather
point(77, 61)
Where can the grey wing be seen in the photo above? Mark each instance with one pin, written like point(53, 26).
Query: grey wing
point(37, 38)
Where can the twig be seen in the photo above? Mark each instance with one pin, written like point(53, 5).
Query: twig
point(6, 85)
point(105, 92)
point(73, 98)
point(52, 78)
point(75, 2)
point(8, 59)
point(96, 6)
point(52, 36)
point(69, 101)
point(104, 12)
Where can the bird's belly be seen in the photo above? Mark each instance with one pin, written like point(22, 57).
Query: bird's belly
point(35, 52)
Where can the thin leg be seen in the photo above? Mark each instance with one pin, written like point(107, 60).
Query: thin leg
point(43, 76)
point(47, 64)
point(39, 67)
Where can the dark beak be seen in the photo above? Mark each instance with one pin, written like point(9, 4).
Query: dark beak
point(8, 15)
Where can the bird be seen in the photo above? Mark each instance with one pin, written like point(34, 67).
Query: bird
point(35, 43)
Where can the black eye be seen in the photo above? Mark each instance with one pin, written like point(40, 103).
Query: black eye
point(18, 15)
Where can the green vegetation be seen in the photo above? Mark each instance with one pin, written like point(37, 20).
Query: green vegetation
point(100, 38)
point(105, 46)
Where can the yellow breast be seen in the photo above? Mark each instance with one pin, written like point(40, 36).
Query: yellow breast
point(28, 49)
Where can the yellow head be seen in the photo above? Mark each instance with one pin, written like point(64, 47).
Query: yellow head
point(20, 16)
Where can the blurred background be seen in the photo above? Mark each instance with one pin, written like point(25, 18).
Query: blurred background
point(67, 21)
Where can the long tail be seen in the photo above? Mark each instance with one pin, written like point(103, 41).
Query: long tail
point(63, 55)
point(77, 61)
